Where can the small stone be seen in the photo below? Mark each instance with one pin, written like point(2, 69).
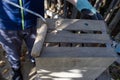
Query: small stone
point(5, 71)
point(2, 63)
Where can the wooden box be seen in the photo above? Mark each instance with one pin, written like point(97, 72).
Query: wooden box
point(74, 49)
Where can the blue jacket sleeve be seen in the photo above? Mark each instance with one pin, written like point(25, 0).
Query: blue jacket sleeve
point(84, 4)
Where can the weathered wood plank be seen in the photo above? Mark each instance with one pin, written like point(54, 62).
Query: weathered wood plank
point(39, 41)
point(78, 68)
point(69, 52)
point(77, 38)
point(67, 74)
point(81, 62)
point(76, 24)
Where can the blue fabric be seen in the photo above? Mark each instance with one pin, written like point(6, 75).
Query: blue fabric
point(10, 16)
point(12, 40)
point(84, 4)
point(117, 49)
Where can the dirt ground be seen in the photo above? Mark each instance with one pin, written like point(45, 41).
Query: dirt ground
point(28, 68)
point(114, 70)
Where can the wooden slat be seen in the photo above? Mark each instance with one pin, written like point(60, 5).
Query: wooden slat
point(39, 41)
point(72, 52)
point(77, 38)
point(77, 24)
